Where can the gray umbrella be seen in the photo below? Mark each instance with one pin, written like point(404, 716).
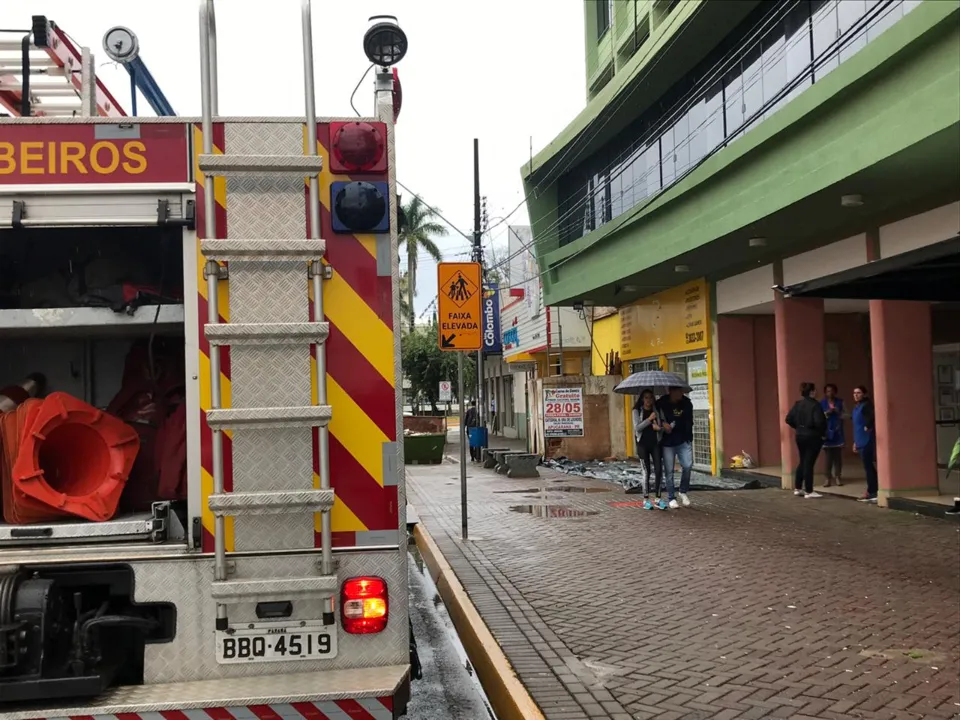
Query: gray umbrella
point(640, 381)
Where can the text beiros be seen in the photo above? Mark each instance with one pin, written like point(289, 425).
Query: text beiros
point(70, 157)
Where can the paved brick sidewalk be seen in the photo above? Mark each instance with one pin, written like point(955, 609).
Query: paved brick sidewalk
point(750, 604)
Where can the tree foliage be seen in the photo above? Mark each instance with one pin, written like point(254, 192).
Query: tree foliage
point(417, 233)
point(425, 366)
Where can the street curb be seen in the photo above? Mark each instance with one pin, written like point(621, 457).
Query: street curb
point(509, 697)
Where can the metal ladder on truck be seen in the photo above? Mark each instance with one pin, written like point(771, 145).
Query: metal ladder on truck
point(44, 74)
point(276, 262)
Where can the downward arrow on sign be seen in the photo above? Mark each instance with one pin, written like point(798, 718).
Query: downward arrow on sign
point(446, 341)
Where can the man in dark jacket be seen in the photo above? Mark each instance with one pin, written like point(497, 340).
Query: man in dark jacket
point(807, 419)
point(677, 443)
point(472, 419)
point(865, 440)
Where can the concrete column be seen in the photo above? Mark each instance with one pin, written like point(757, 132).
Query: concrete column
point(800, 350)
point(902, 349)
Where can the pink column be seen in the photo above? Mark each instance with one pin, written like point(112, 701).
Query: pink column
point(800, 350)
point(902, 344)
point(738, 385)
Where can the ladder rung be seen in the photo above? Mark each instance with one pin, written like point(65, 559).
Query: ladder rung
point(266, 333)
point(275, 250)
point(274, 589)
point(269, 417)
point(228, 164)
point(271, 503)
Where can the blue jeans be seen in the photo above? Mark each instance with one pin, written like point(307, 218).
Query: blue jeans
point(684, 452)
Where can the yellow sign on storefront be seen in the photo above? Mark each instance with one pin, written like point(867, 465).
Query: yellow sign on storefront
point(673, 321)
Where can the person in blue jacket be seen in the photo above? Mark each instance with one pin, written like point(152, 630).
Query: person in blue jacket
point(834, 440)
point(865, 440)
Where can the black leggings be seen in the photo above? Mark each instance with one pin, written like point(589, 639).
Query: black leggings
point(648, 453)
point(809, 448)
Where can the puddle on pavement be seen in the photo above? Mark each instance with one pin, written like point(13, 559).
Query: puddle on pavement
point(562, 488)
point(551, 511)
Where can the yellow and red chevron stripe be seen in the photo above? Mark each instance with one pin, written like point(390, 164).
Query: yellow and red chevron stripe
point(361, 382)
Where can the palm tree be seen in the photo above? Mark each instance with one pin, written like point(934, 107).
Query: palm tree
point(416, 234)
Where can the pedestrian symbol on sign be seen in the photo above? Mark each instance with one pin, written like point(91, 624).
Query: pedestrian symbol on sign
point(460, 290)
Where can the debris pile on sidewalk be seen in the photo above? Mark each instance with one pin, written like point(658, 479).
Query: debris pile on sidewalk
point(630, 473)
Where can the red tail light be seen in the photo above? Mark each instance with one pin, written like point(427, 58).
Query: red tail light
point(364, 607)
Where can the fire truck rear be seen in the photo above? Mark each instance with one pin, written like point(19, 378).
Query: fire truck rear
point(203, 497)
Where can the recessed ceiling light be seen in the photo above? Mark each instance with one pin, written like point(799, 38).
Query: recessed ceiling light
point(681, 268)
point(629, 288)
point(851, 200)
point(757, 242)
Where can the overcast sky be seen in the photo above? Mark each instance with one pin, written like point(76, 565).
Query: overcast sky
point(499, 70)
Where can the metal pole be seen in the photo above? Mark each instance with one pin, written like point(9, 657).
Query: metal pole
point(88, 81)
point(560, 335)
point(323, 434)
point(463, 448)
point(208, 103)
point(478, 257)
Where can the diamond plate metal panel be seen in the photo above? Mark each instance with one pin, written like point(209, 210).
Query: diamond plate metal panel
point(186, 583)
point(273, 589)
point(385, 114)
point(273, 460)
point(272, 250)
point(270, 376)
point(272, 690)
point(265, 503)
point(263, 292)
point(235, 164)
point(269, 418)
point(267, 333)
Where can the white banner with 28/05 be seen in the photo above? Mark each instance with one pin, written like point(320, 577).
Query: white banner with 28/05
point(563, 412)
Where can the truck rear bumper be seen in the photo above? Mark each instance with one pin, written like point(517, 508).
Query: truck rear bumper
point(377, 692)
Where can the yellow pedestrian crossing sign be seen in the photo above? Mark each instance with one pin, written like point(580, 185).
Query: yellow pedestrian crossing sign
point(459, 306)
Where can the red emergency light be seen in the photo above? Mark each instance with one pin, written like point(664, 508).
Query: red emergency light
point(358, 147)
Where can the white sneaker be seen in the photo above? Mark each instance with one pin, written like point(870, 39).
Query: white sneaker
point(813, 495)
point(798, 493)
point(684, 499)
point(674, 505)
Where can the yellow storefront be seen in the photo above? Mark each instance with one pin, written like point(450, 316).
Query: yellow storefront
point(671, 331)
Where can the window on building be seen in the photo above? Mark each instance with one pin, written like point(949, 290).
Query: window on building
point(778, 52)
point(604, 16)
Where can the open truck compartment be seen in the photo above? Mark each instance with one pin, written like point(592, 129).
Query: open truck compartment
point(92, 387)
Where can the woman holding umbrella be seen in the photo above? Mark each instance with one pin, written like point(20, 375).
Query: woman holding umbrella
point(678, 427)
point(648, 431)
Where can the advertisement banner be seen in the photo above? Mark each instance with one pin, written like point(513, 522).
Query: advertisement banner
point(563, 412)
point(491, 318)
point(673, 321)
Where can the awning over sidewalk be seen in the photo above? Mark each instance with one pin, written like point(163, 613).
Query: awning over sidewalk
point(930, 273)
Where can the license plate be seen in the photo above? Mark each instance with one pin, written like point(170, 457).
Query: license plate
point(277, 642)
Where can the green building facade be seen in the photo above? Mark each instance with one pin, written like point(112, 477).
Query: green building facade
point(729, 140)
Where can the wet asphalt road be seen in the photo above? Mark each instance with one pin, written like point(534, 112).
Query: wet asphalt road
point(447, 691)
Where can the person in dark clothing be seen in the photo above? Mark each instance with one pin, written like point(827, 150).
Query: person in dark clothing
point(807, 419)
point(834, 441)
point(677, 442)
point(865, 440)
point(472, 419)
point(647, 428)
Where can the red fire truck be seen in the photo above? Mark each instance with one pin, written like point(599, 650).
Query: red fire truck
point(203, 493)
